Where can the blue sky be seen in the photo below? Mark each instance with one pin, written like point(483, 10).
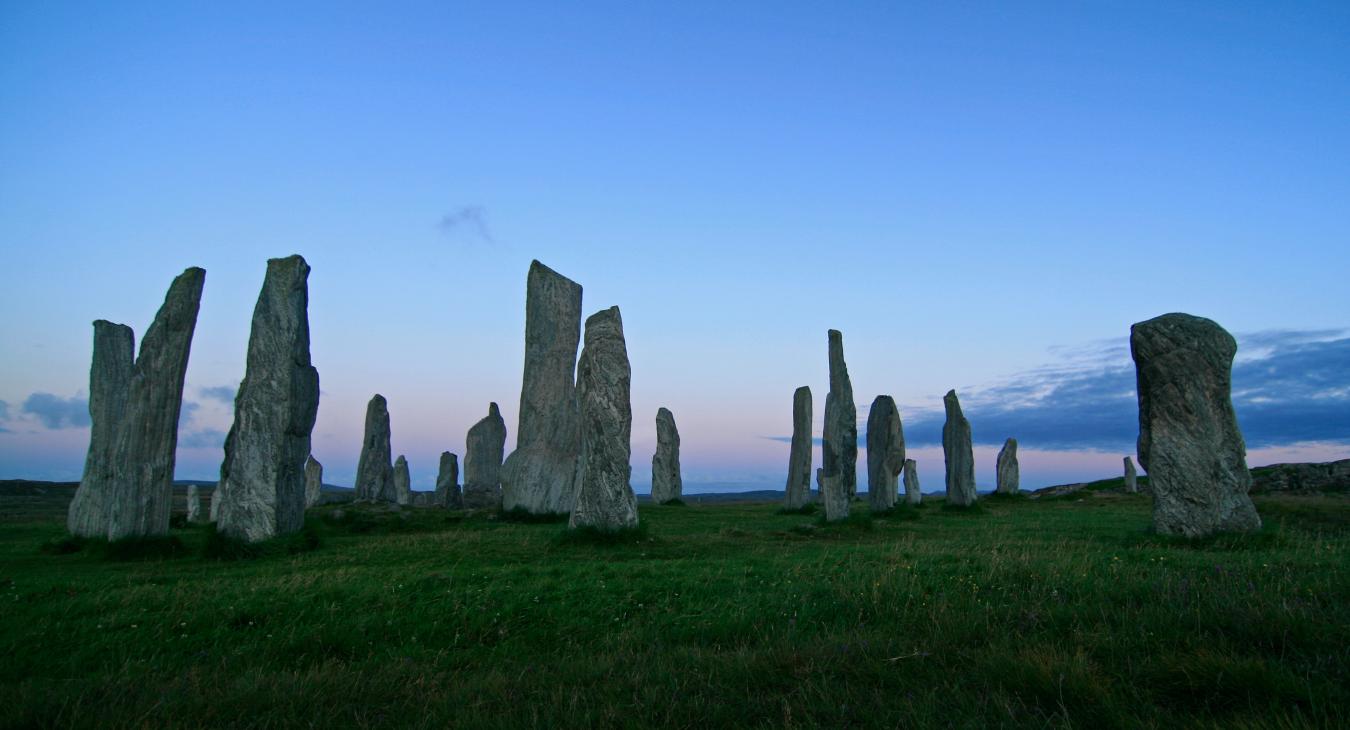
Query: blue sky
point(975, 194)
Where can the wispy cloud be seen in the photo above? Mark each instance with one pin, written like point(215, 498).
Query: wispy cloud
point(222, 393)
point(55, 412)
point(471, 218)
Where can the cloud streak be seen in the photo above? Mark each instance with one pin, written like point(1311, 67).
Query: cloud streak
point(472, 218)
point(222, 393)
point(55, 412)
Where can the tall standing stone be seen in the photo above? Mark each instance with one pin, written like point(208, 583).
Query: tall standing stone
point(605, 499)
point(194, 504)
point(146, 443)
point(913, 494)
point(262, 478)
point(215, 503)
point(1131, 477)
point(1189, 441)
point(885, 453)
point(840, 450)
point(666, 482)
point(1006, 474)
point(539, 476)
point(402, 482)
point(313, 481)
point(375, 469)
point(958, 454)
point(798, 490)
point(483, 461)
point(447, 482)
point(110, 376)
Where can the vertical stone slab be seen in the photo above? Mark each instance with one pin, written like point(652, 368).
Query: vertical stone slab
point(447, 482)
point(958, 454)
point(1189, 440)
point(666, 482)
point(605, 499)
point(403, 495)
point(375, 469)
point(483, 461)
point(913, 494)
point(1131, 477)
point(885, 453)
point(840, 450)
point(1007, 476)
point(194, 504)
point(313, 482)
point(539, 476)
point(110, 373)
point(263, 475)
point(215, 503)
point(798, 489)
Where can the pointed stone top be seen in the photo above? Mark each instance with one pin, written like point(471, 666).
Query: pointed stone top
point(802, 389)
point(1010, 444)
point(883, 401)
point(377, 398)
point(606, 322)
point(312, 460)
point(952, 404)
point(664, 412)
point(401, 460)
point(539, 269)
point(493, 411)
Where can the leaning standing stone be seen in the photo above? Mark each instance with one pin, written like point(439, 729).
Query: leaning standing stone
point(912, 493)
point(885, 453)
point(375, 470)
point(798, 491)
point(1131, 477)
point(958, 454)
point(447, 483)
point(666, 482)
point(483, 461)
point(605, 499)
point(1189, 441)
point(1006, 472)
point(215, 503)
point(402, 482)
point(313, 481)
point(840, 450)
point(194, 504)
point(109, 380)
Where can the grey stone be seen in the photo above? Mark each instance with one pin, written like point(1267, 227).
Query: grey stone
point(539, 476)
point(483, 461)
point(262, 478)
point(1327, 476)
point(194, 504)
point(110, 374)
point(402, 482)
point(215, 503)
point(1189, 440)
point(375, 469)
point(313, 481)
point(913, 494)
point(147, 440)
point(605, 499)
point(1006, 474)
point(885, 453)
point(798, 491)
point(666, 482)
point(840, 449)
point(958, 454)
point(447, 483)
point(1131, 477)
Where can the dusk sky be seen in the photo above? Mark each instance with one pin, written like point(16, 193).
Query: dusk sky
point(979, 196)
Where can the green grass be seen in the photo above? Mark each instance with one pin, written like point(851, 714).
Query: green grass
point(1028, 614)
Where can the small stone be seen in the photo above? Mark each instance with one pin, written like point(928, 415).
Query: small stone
point(313, 481)
point(194, 504)
point(375, 470)
point(402, 482)
point(666, 482)
point(605, 498)
point(447, 483)
point(798, 491)
point(912, 493)
point(1006, 471)
point(958, 454)
point(1131, 477)
point(215, 503)
point(885, 453)
point(483, 461)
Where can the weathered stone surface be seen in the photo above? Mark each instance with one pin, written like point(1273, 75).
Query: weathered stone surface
point(666, 481)
point(1189, 441)
point(215, 503)
point(958, 454)
point(146, 444)
point(539, 476)
point(402, 482)
point(110, 376)
point(313, 481)
point(194, 504)
point(375, 469)
point(483, 461)
point(1131, 477)
point(1007, 477)
point(798, 491)
point(605, 497)
point(839, 452)
point(885, 453)
point(262, 478)
point(447, 483)
point(913, 494)
point(1327, 476)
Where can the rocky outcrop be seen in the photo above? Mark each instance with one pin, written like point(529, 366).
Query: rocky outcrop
point(1007, 478)
point(447, 483)
point(194, 504)
point(958, 454)
point(605, 499)
point(666, 482)
point(885, 453)
point(483, 461)
point(263, 475)
point(539, 476)
point(1332, 476)
point(109, 382)
point(840, 449)
point(1131, 477)
point(1189, 441)
point(375, 469)
point(913, 495)
point(313, 481)
point(402, 482)
point(798, 491)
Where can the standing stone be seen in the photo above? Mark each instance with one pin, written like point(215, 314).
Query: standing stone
point(1007, 479)
point(215, 503)
point(666, 482)
point(958, 454)
point(820, 481)
point(840, 451)
point(1131, 477)
point(262, 479)
point(447, 483)
point(1189, 441)
point(402, 483)
point(313, 481)
point(194, 504)
point(885, 453)
point(605, 499)
point(109, 381)
point(912, 493)
point(798, 491)
point(146, 443)
point(375, 470)
point(539, 476)
point(483, 461)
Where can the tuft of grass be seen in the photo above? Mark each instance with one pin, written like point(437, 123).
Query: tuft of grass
point(220, 546)
point(809, 508)
point(676, 502)
point(520, 515)
point(63, 545)
point(163, 547)
point(901, 512)
point(856, 520)
point(602, 538)
point(975, 508)
point(1271, 535)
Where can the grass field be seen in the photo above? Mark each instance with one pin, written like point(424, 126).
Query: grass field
point(1059, 613)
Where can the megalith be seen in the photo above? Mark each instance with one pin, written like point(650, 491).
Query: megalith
point(798, 490)
point(605, 499)
point(110, 374)
point(1006, 476)
point(483, 461)
point(375, 468)
point(313, 481)
point(447, 483)
point(666, 482)
point(840, 450)
point(958, 454)
point(194, 504)
point(1131, 477)
point(403, 495)
point(913, 494)
point(885, 453)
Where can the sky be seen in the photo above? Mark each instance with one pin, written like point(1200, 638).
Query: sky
point(980, 196)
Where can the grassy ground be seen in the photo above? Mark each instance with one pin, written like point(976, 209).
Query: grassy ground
point(1061, 613)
